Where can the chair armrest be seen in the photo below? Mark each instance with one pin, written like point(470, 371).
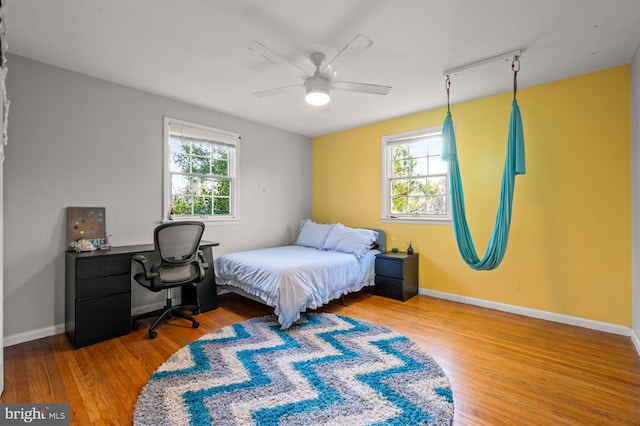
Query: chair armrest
point(145, 266)
point(205, 265)
point(139, 258)
point(202, 265)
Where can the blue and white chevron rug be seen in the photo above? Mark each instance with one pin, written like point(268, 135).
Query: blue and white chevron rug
point(324, 370)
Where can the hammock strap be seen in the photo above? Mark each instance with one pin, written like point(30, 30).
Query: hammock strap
point(514, 165)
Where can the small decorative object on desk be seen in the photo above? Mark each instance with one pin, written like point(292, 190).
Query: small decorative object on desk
point(410, 249)
point(83, 245)
point(106, 245)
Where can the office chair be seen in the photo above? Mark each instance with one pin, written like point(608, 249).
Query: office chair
point(177, 261)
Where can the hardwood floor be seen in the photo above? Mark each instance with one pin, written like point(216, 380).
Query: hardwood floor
point(504, 368)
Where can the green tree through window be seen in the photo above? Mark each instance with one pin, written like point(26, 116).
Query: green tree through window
point(415, 176)
point(201, 173)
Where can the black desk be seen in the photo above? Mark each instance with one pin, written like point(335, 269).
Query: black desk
point(98, 292)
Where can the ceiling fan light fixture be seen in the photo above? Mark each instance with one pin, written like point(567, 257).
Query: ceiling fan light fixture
point(317, 97)
point(317, 90)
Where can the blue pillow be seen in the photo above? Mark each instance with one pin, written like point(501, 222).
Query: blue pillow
point(313, 234)
point(356, 241)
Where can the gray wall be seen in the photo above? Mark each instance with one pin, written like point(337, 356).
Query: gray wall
point(80, 141)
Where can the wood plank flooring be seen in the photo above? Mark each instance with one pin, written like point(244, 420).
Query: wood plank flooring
point(504, 369)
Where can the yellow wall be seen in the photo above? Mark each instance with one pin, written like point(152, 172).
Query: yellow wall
point(569, 248)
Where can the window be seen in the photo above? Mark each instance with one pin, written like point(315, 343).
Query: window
point(414, 178)
point(200, 171)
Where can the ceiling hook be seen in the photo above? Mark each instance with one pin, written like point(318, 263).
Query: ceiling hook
point(515, 64)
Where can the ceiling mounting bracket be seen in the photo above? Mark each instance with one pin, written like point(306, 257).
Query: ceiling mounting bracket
point(503, 57)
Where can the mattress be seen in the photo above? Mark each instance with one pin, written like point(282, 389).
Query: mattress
point(295, 278)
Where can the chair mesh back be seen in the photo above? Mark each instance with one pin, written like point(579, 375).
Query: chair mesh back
point(177, 243)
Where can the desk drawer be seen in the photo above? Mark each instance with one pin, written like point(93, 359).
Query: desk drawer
point(103, 286)
point(100, 266)
point(101, 318)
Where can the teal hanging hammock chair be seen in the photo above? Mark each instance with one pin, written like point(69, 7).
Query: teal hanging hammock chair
point(514, 165)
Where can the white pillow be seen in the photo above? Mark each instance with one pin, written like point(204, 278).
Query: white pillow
point(356, 241)
point(313, 234)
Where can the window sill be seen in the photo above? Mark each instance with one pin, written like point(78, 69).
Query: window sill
point(416, 220)
point(207, 220)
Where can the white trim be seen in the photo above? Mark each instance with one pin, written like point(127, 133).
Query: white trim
point(635, 340)
point(423, 221)
point(534, 313)
point(231, 139)
point(386, 142)
point(28, 336)
point(153, 306)
point(206, 219)
point(202, 133)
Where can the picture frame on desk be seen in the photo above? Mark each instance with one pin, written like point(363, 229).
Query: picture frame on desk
point(86, 223)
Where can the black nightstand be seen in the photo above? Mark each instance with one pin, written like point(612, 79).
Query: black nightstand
point(397, 275)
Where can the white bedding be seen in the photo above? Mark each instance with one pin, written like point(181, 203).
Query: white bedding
point(294, 278)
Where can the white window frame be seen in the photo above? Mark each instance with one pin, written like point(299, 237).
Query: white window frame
point(387, 171)
point(217, 136)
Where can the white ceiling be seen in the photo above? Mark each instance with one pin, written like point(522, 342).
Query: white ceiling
point(197, 50)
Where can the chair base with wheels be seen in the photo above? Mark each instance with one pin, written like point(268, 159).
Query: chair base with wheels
point(177, 261)
point(166, 313)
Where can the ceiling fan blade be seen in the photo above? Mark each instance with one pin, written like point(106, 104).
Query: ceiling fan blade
point(272, 56)
point(358, 45)
point(373, 89)
point(277, 91)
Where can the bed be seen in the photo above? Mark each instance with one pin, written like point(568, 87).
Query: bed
point(326, 262)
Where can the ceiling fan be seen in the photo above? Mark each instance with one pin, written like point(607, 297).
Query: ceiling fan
point(318, 85)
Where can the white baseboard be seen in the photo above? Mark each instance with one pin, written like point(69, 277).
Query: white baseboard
point(152, 307)
point(635, 340)
point(535, 313)
point(550, 316)
point(28, 336)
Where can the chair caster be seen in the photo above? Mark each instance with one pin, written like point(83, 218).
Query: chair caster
point(195, 324)
point(153, 334)
point(196, 312)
